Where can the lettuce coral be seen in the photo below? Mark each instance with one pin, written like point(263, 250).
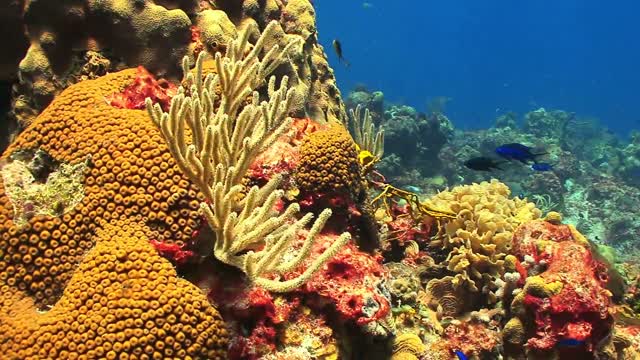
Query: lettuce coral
point(479, 238)
point(407, 346)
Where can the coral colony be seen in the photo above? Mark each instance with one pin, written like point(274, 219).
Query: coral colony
point(191, 186)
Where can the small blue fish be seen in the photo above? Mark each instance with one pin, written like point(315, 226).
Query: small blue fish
point(515, 151)
point(569, 342)
point(542, 167)
point(460, 355)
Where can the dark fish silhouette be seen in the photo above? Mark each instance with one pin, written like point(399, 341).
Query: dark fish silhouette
point(337, 46)
point(542, 167)
point(483, 163)
point(515, 151)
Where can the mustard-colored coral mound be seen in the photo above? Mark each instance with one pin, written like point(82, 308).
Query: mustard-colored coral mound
point(329, 163)
point(130, 174)
point(479, 238)
point(514, 332)
point(407, 346)
point(123, 302)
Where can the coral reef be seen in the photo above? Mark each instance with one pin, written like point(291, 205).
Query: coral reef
point(174, 231)
point(58, 193)
point(592, 181)
point(374, 101)
point(474, 338)
point(329, 163)
point(407, 346)
point(542, 123)
point(117, 128)
point(355, 283)
point(347, 297)
point(415, 138)
point(404, 285)
point(144, 86)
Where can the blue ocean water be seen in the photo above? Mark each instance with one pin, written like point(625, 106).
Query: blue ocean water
point(491, 57)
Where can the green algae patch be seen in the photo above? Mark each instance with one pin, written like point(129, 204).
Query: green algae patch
point(40, 186)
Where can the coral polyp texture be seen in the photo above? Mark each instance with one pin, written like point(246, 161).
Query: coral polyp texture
point(329, 163)
point(129, 174)
point(124, 301)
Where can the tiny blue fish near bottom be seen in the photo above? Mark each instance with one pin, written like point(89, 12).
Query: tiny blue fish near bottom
point(569, 342)
point(460, 355)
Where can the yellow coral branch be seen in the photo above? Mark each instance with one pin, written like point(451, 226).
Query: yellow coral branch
point(366, 135)
point(221, 146)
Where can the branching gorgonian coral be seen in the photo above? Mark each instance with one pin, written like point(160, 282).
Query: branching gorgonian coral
point(220, 144)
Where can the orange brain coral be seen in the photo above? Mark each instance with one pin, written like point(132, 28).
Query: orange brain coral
point(123, 302)
point(329, 162)
point(131, 174)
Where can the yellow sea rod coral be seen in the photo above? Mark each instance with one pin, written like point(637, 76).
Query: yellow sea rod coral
point(480, 237)
point(218, 149)
point(131, 174)
point(329, 162)
point(123, 302)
